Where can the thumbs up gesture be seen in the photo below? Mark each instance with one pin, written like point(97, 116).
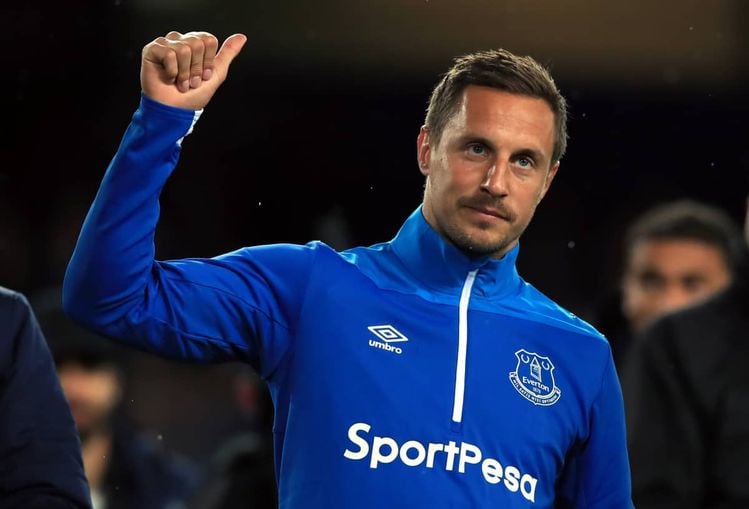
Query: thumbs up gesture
point(185, 70)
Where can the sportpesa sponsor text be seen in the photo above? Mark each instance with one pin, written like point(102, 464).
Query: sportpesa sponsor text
point(414, 453)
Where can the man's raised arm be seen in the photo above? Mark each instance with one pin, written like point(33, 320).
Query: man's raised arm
point(210, 309)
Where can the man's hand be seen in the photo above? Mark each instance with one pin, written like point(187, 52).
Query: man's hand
point(184, 70)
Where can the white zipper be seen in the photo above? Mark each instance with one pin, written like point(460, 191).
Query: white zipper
point(460, 368)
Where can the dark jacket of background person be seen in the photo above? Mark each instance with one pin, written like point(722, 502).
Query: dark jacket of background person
point(40, 459)
point(240, 474)
point(141, 475)
point(686, 387)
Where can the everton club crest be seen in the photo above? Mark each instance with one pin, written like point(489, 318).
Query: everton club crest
point(533, 378)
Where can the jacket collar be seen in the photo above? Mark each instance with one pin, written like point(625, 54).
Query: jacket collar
point(436, 263)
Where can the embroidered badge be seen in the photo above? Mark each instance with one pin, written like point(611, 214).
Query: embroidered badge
point(533, 378)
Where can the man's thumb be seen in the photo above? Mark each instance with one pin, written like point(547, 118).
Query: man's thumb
point(229, 50)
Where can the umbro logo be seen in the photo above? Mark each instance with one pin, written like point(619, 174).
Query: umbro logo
point(387, 334)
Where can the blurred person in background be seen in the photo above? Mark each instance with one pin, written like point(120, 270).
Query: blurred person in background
point(686, 388)
point(40, 457)
point(675, 255)
point(125, 469)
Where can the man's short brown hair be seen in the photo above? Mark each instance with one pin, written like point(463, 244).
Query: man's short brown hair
point(504, 71)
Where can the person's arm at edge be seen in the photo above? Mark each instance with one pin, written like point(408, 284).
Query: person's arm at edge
point(40, 459)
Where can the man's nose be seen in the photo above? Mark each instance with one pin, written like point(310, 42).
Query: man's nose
point(675, 298)
point(495, 181)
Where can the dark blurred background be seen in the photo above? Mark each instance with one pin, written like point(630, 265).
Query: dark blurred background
point(313, 136)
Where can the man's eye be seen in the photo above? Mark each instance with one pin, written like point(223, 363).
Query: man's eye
point(650, 281)
point(525, 162)
point(477, 149)
point(693, 283)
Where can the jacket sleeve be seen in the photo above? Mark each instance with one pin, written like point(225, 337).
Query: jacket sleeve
point(597, 475)
point(40, 459)
point(666, 441)
point(239, 306)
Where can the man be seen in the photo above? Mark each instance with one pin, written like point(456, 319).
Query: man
point(675, 255)
point(40, 458)
point(124, 470)
point(422, 372)
point(688, 405)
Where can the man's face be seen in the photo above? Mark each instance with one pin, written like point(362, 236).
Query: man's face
point(664, 275)
point(92, 394)
point(490, 169)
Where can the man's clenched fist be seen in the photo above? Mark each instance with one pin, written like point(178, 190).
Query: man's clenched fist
point(185, 70)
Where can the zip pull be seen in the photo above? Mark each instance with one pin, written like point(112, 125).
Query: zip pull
point(460, 368)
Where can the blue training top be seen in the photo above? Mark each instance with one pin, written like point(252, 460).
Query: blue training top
point(403, 374)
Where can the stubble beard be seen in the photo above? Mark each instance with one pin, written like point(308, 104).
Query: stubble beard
point(475, 248)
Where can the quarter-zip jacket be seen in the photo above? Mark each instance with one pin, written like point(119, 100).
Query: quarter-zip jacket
point(403, 374)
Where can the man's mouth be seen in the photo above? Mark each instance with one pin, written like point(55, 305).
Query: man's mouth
point(491, 212)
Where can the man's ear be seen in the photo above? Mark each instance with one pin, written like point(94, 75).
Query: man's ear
point(423, 150)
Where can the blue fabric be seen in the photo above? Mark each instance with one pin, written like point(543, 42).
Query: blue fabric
point(359, 349)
